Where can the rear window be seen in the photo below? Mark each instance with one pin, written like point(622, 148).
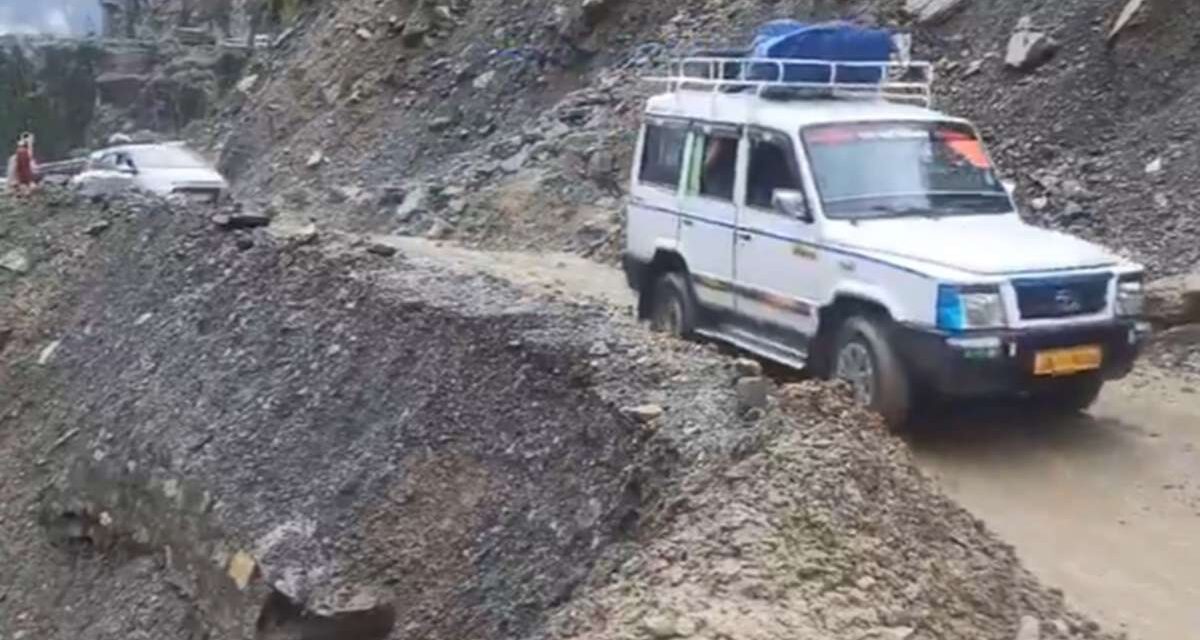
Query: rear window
point(662, 155)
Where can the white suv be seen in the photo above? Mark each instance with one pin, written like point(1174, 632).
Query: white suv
point(844, 229)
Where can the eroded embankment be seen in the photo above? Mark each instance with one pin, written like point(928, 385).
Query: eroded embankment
point(403, 432)
point(218, 434)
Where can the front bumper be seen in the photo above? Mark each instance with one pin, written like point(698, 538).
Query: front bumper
point(989, 363)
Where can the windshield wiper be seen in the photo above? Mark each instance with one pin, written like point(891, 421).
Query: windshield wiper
point(900, 212)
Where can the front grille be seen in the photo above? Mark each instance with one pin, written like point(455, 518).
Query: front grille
point(1043, 298)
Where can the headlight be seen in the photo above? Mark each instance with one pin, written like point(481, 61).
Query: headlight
point(1131, 295)
point(963, 308)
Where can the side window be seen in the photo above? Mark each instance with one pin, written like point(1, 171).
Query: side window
point(772, 167)
point(662, 155)
point(714, 166)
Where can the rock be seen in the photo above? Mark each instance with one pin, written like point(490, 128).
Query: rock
point(1128, 13)
point(247, 84)
point(888, 633)
point(644, 413)
point(380, 248)
point(307, 234)
point(594, 10)
point(752, 393)
point(932, 11)
point(96, 228)
point(599, 349)
point(48, 352)
point(441, 124)
point(483, 80)
point(245, 242)
point(514, 162)
point(16, 261)
point(440, 229)
point(391, 196)
point(601, 165)
point(364, 33)
point(1039, 203)
point(1029, 629)
point(1029, 49)
point(241, 569)
point(1174, 300)
point(315, 160)
point(243, 220)
point(414, 203)
point(6, 334)
point(663, 626)
point(1154, 166)
point(748, 367)
point(973, 68)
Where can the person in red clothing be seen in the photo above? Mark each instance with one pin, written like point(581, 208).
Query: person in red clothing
point(24, 165)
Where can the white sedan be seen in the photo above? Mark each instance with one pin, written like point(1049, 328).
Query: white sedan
point(164, 169)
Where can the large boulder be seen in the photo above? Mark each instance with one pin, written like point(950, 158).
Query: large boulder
point(1029, 48)
point(1174, 300)
point(932, 11)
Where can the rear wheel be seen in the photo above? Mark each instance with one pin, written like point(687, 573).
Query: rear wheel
point(865, 359)
point(672, 308)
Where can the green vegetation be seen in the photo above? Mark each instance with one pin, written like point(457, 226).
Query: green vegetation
point(50, 91)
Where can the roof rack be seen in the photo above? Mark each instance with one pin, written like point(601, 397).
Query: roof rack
point(908, 82)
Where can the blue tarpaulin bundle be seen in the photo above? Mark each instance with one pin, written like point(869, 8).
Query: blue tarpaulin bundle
point(836, 41)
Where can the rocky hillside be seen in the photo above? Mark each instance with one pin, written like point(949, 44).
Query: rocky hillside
point(512, 125)
point(218, 432)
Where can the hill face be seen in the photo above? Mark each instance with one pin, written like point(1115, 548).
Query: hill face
point(512, 125)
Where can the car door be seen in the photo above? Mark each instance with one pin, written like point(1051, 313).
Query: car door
point(779, 269)
point(710, 213)
point(652, 220)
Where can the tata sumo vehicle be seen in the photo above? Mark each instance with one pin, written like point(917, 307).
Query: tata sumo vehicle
point(819, 213)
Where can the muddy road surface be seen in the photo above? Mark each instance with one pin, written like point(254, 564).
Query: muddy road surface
point(1104, 506)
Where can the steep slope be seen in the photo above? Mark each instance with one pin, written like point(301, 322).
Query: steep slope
point(512, 125)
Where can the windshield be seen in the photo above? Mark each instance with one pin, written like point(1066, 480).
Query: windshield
point(891, 169)
point(166, 158)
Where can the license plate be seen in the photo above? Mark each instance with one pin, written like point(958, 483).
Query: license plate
point(1065, 362)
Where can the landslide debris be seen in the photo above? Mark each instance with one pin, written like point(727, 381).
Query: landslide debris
point(296, 438)
point(512, 126)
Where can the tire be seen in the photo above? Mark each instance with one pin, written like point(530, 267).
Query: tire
point(863, 357)
point(1071, 396)
point(672, 308)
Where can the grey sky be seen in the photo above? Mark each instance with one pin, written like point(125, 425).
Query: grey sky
point(57, 17)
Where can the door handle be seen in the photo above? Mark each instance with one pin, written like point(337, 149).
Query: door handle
point(688, 223)
point(745, 237)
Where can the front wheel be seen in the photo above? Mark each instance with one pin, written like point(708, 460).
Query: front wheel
point(864, 358)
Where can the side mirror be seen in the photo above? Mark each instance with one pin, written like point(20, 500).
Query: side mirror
point(792, 203)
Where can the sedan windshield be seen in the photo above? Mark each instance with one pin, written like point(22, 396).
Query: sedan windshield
point(164, 157)
point(891, 169)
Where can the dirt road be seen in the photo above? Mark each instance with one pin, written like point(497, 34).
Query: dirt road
point(1105, 507)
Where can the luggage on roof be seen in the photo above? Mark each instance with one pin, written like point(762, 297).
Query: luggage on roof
point(840, 42)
